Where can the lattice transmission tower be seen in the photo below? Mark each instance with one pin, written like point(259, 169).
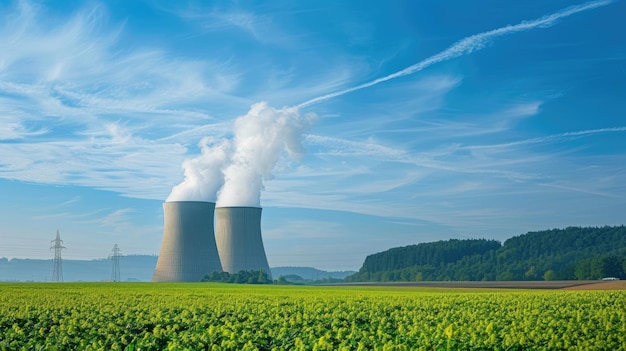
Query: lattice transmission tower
point(57, 269)
point(116, 254)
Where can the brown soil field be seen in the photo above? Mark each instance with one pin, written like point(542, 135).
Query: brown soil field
point(601, 285)
point(553, 285)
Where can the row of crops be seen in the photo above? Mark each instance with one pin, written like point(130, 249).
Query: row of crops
point(97, 316)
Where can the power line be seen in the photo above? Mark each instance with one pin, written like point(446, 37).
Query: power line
point(115, 256)
point(57, 269)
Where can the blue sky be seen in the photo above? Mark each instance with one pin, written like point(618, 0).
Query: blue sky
point(426, 120)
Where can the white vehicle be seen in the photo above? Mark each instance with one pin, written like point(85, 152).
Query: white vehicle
point(610, 278)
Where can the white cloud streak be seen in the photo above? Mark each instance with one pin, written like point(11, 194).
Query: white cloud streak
point(485, 173)
point(548, 138)
point(77, 108)
point(467, 46)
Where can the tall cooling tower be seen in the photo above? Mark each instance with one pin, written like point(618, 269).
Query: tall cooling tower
point(238, 237)
point(188, 251)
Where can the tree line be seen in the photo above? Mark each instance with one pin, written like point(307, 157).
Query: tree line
point(564, 254)
point(242, 277)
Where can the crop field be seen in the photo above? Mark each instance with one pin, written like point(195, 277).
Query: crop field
point(152, 316)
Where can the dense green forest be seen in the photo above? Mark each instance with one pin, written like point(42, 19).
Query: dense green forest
point(571, 253)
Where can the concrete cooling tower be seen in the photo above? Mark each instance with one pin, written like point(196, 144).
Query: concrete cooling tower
point(238, 237)
point(188, 251)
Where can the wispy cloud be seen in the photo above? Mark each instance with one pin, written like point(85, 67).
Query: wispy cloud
point(547, 139)
point(118, 220)
point(240, 19)
point(11, 130)
point(441, 158)
point(216, 18)
point(229, 17)
point(338, 146)
point(73, 200)
point(580, 190)
point(466, 46)
point(78, 109)
point(77, 67)
point(107, 164)
point(304, 229)
point(425, 184)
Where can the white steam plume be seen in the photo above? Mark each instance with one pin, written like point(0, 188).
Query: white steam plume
point(468, 45)
point(203, 174)
point(260, 138)
point(231, 172)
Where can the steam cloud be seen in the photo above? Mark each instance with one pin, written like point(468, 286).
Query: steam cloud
point(203, 174)
point(232, 171)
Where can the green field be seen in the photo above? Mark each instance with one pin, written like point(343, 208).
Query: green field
point(151, 316)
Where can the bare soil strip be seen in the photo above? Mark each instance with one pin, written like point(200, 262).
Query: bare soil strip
point(602, 285)
point(557, 284)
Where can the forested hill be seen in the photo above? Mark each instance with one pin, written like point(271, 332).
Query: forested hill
point(571, 253)
point(433, 253)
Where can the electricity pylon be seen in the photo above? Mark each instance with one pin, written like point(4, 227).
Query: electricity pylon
point(57, 270)
point(116, 254)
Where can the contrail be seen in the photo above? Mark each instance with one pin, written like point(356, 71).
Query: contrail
point(548, 138)
point(468, 45)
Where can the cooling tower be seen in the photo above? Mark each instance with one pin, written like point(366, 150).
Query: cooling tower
point(238, 237)
point(188, 251)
